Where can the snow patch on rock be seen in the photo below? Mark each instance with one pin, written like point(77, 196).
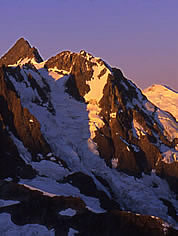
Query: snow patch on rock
point(139, 129)
point(4, 203)
point(68, 212)
point(72, 232)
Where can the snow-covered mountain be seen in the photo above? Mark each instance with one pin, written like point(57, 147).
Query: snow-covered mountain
point(163, 97)
point(82, 150)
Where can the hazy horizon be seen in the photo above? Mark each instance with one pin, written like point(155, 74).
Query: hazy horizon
point(139, 37)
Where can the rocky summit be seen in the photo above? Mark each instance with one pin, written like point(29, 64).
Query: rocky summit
point(83, 151)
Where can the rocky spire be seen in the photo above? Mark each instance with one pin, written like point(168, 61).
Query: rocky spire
point(20, 51)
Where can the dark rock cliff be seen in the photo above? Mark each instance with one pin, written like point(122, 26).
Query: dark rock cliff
point(35, 208)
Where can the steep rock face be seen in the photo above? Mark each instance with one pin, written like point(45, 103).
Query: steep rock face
point(19, 121)
point(78, 67)
point(20, 51)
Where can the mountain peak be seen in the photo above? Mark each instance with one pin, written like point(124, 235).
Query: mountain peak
point(20, 51)
point(22, 41)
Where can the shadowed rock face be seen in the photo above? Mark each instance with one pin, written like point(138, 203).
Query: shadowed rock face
point(36, 208)
point(42, 90)
point(18, 119)
point(11, 164)
point(88, 187)
point(20, 51)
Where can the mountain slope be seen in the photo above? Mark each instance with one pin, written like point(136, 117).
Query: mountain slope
point(164, 98)
point(118, 111)
point(94, 128)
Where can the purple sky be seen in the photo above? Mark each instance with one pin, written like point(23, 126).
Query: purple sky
point(138, 36)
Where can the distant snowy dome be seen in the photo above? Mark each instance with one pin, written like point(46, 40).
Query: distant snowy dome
point(163, 97)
